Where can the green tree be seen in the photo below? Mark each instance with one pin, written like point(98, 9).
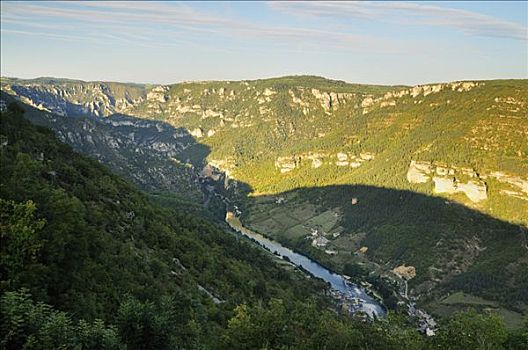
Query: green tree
point(29, 325)
point(471, 330)
point(19, 238)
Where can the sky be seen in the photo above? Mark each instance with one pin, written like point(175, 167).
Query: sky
point(167, 42)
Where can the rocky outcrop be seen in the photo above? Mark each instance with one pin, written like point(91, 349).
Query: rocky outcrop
point(286, 164)
point(367, 102)
point(158, 94)
point(197, 132)
point(390, 98)
point(419, 172)
point(209, 113)
point(464, 85)
point(448, 179)
point(366, 156)
point(268, 92)
point(331, 100)
point(475, 190)
point(316, 158)
point(425, 90)
point(76, 98)
point(224, 165)
point(444, 185)
point(289, 163)
point(453, 179)
point(324, 98)
point(518, 186)
point(342, 159)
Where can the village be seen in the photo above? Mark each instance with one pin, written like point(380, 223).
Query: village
point(349, 303)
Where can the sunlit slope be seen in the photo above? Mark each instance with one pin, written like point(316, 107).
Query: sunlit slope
point(467, 139)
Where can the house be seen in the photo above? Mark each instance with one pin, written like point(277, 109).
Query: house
point(331, 252)
point(320, 242)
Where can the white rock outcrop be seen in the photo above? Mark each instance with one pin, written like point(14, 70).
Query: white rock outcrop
point(197, 132)
point(342, 156)
point(159, 94)
point(324, 98)
point(331, 100)
point(286, 164)
point(518, 186)
point(269, 92)
point(448, 179)
point(475, 190)
point(419, 172)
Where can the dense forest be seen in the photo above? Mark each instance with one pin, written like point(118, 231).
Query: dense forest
point(88, 262)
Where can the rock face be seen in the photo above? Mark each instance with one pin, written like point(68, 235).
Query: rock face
point(390, 98)
point(331, 100)
point(269, 92)
point(518, 186)
point(316, 163)
point(158, 94)
point(476, 191)
point(77, 98)
point(444, 185)
point(448, 179)
point(144, 151)
point(366, 156)
point(198, 132)
point(316, 158)
point(342, 159)
point(286, 164)
point(324, 97)
point(418, 172)
point(367, 102)
point(452, 179)
point(289, 163)
point(363, 250)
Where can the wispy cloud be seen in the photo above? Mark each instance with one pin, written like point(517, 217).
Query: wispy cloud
point(158, 23)
point(472, 23)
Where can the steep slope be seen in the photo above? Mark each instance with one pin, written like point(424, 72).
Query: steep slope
point(75, 97)
point(149, 153)
point(87, 242)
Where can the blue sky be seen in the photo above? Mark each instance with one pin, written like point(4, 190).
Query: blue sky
point(168, 42)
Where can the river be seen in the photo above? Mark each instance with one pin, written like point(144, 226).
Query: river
point(341, 288)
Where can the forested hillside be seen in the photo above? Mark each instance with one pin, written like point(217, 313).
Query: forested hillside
point(333, 169)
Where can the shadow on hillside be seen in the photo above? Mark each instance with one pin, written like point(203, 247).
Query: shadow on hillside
point(164, 160)
point(154, 155)
point(457, 247)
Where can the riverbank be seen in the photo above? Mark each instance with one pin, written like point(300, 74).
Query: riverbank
point(350, 296)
